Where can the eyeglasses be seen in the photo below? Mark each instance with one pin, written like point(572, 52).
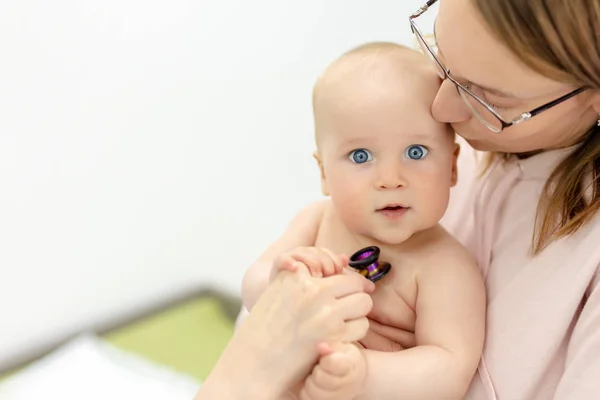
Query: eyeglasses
point(471, 94)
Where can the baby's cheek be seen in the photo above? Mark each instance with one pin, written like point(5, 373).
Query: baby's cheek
point(431, 190)
point(436, 201)
point(345, 190)
point(352, 208)
point(349, 206)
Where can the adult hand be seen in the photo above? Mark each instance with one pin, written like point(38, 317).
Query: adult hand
point(297, 312)
point(276, 345)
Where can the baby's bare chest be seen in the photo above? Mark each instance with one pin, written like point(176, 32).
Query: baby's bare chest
point(394, 299)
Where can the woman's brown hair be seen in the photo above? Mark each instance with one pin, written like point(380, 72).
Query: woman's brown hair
point(561, 40)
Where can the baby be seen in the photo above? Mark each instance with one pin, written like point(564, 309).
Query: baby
point(387, 167)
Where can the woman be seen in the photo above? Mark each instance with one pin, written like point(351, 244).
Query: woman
point(524, 88)
point(276, 346)
point(521, 81)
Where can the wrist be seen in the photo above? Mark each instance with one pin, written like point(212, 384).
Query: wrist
point(240, 375)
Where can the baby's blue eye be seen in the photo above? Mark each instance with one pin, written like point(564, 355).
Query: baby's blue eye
point(416, 152)
point(360, 156)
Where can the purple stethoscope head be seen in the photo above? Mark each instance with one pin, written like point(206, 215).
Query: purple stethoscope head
point(365, 261)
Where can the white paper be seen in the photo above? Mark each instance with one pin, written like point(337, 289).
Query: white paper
point(89, 368)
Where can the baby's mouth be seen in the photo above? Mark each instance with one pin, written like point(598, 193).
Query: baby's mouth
point(391, 207)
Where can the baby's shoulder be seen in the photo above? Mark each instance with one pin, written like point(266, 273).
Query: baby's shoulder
point(316, 208)
point(443, 251)
point(311, 214)
point(330, 219)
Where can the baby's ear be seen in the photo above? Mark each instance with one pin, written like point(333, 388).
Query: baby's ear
point(324, 188)
point(455, 153)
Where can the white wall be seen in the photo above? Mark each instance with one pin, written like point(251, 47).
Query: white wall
point(148, 147)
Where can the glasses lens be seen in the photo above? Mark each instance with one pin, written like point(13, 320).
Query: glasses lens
point(480, 111)
point(429, 52)
point(426, 43)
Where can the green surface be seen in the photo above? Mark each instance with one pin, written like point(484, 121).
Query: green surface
point(189, 337)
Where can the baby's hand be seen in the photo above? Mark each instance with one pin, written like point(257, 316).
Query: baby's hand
point(319, 261)
point(339, 375)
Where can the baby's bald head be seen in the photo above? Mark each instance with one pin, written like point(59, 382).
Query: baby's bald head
point(374, 131)
point(371, 71)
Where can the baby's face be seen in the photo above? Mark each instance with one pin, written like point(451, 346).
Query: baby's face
point(386, 163)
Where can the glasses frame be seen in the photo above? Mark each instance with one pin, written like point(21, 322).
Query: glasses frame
point(526, 116)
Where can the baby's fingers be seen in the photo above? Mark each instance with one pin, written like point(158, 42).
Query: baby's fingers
point(311, 257)
point(335, 264)
point(320, 385)
point(337, 364)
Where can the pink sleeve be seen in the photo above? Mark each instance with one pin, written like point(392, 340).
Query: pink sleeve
point(460, 195)
point(581, 379)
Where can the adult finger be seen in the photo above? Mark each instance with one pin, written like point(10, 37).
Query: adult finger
point(369, 286)
point(345, 260)
point(354, 330)
point(345, 284)
point(353, 306)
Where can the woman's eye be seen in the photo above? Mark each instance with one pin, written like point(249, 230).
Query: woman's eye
point(497, 107)
point(482, 96)
point(416, 152)
point(360, 156)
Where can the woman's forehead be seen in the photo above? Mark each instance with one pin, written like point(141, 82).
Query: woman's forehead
point(472, 53)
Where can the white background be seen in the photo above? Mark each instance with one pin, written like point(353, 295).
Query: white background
point(150, 147)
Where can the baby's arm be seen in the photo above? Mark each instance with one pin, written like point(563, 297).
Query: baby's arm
point(449, 334)
point(296, 244)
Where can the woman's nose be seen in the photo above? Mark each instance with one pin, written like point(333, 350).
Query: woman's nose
point(448, 106)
